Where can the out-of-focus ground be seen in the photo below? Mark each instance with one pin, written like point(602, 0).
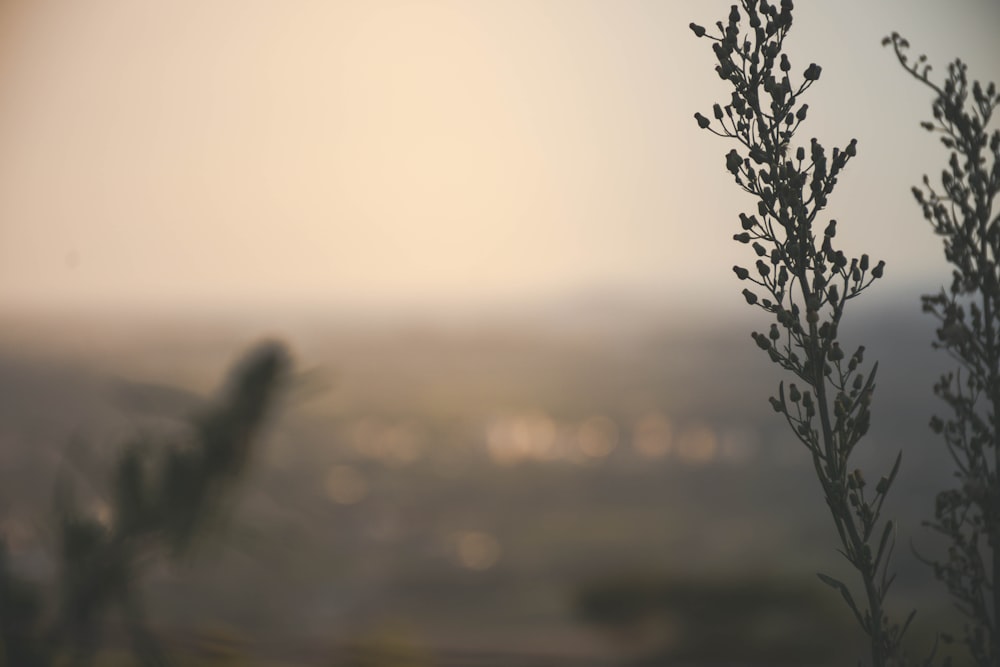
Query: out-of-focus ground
point(589, 486)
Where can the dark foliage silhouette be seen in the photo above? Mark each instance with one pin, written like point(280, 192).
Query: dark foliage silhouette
point(962, 212)
point(161, 500)
point(804, 282)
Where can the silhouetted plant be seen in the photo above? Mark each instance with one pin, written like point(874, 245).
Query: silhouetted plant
point(968, 515)
point(160, 500)
point(805, 283)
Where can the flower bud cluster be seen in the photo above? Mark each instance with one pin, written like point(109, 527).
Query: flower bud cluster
point(799, 275)
point(795, 276)
point(963, 212)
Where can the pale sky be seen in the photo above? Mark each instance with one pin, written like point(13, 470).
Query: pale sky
point(193, 153)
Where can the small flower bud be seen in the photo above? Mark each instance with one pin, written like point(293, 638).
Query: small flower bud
point(702, 121)
point(776, 404)
point(697, 30)
point(741, 273)
point(793, 394)
point(774, 334)
point(733, 159)
point(879, 269)
point(750, 297)
point(717, 110)
point(812, 72)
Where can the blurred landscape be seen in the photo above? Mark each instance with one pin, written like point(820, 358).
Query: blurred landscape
point(601, 483)
point(528, 425)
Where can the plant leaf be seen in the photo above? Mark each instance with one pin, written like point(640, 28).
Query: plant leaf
point(844, 592)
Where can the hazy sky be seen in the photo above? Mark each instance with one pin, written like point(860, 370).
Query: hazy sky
point(378, 152)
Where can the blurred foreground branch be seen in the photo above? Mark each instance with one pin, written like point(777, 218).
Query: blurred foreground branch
point(160, 502)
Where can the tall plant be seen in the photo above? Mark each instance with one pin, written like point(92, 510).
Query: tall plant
point(963, 212)
point(804, 283)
